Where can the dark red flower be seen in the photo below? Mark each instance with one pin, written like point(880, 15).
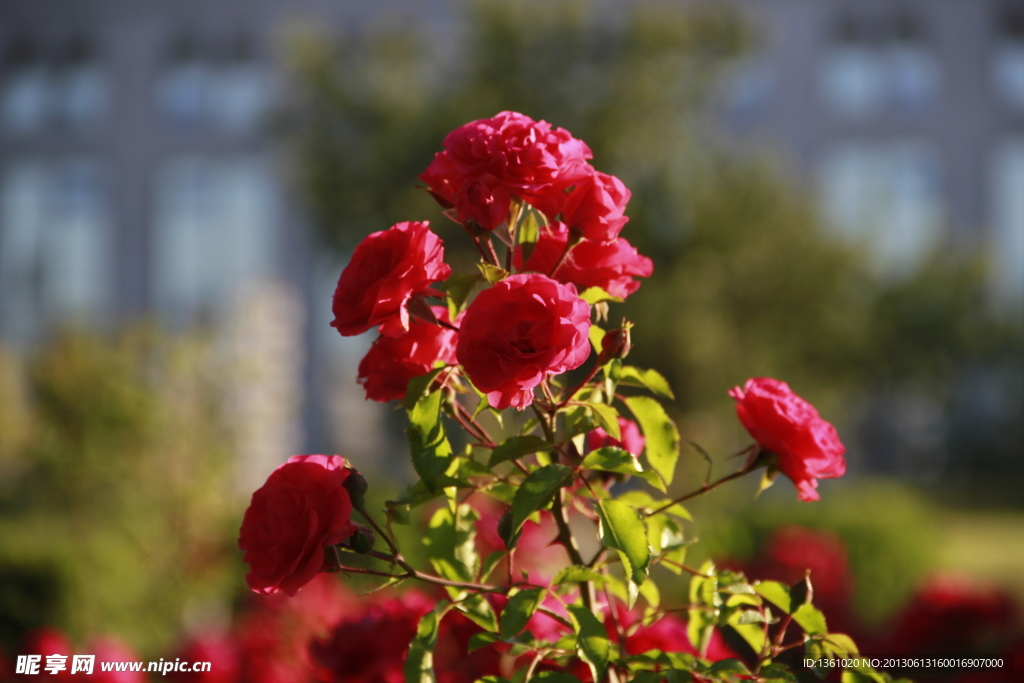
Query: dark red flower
point(517, 332)
point(387, 269)
point(807, 447)
point(610, 266)
point(509, 154)
point(302, 508)
point(391, 362)
point(597, 206)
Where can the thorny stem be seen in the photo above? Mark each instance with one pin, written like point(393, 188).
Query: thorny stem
point(484, 254)
point(471, 426)
point(574, 390)
point(513, 228)
point(380, 532)
point(703, 489)
point(494, 254)
point(413, 573)
point(686, 568)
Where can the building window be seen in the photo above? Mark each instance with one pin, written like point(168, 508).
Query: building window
point(214, 230)
point(56, 251)
point(1008, 57)
point(229, 91)
point(887, 196)
point(79, 87)
point(23, 92)
point(1007, 220)
point(879, 66)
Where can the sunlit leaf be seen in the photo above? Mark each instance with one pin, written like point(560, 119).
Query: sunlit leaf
point(660, 431)
point(536, 492)
point(517, 612)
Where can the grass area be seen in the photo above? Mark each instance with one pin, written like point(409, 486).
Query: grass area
point(987, 546)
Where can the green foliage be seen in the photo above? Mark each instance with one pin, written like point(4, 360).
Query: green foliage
point(115, 514)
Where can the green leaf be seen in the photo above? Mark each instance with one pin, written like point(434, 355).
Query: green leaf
point(492, 274)
point(479, 611)
point(622, 529)
point(810, 619)
point(516, 447)
point(536, 492)
point(608, 418)
point(490, 562)
point(707, 602)
point(753, 634)
point(592, 641)
point(431, 453)
point(596, 337)
point(652, 380)
point(458, 287)
point(777, 673)
point(482, 639)
point(518, 611)
point(419, 663)
point(728, 666)
point(450, 543)
point(576, 574)
point(554, 677)
point(611, 459)
point(417, 388)
point(775, 593)
point(593, 295)
point(841, 645)
point(662, 437)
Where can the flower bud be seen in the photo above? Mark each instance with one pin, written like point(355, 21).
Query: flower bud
point(616, 344)
point(356, 486)
point(362, 541)
point(505, 527)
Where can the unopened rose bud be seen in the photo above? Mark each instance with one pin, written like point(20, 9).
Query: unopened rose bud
point(356, 486)
point(616, 344)
point(362, 540)
point(505, 527)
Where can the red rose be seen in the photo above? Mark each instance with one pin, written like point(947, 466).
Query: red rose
point(483, 200)
point(391, 362)
point(518, 331)
point(524, 157)
point(596, 207)
point(387, 269)
point(371, 647)
point(610, 266)
point(808, 447)
point(633, 440)
point(302, 508)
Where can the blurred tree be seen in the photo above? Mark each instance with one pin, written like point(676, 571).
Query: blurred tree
point(114, 516)
point(750, 281)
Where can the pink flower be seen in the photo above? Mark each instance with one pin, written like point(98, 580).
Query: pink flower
point(391, 362)
point(632, 439)
point(608, 265)
point(302, 508)
point(808, 447)
point(525, 158)
point(387, 269)
point(596, 207)
point(519, 331)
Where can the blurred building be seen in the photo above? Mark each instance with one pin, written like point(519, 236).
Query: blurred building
point(140, 177)
point(907, 117)
point(139, 172)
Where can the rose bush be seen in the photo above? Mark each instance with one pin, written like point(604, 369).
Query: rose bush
point(520, 331)
point(302, 508)
point(808, 448)
point(520, 589)
point(387, 269)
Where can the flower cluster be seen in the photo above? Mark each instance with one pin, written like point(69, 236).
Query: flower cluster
point(460, 348)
